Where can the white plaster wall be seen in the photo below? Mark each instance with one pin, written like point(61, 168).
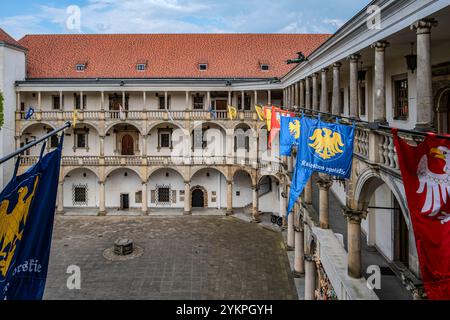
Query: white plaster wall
point(12, 68)
point(117, 183)
point(270, 202)
point(35, 132)
point(215, 182)
point(242, 183)
point(76, 178)
point(384, 221)
point(93, 143)
point(174, 180)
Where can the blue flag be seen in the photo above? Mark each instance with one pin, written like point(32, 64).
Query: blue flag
point(29, 113)
point(27, 208)
point(326, 147)
point(298, 183)
point(289, 134)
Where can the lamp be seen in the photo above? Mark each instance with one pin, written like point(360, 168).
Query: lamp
point(411, 59)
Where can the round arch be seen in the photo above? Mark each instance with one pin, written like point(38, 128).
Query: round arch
point(71, 170)
point(220, 170)
point(366, 185)
point(124, 123)
point(112, 170)
point(442, 110)
point(206, 123)
point(204, 197)
point(165, 122)
point(158, 169)
point(41, 123)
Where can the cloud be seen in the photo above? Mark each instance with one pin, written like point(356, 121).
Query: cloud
point(188, 16)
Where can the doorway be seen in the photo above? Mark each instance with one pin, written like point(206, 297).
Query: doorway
point(124, 201)
point(221, 105)
point(198, 198)
point(127, 145)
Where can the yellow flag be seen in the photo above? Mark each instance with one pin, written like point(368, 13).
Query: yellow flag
point(268, 112)
point(232, 112)
point(75, 118)
point(260, 112)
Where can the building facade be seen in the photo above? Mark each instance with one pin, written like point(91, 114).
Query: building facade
point(153, 133)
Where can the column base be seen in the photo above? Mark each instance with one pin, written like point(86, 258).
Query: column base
point(60, 213)
point(101, 213)
point(187, 213)
point(289, 248)
point(255, 220)
point(229, 212)
point(145, 212)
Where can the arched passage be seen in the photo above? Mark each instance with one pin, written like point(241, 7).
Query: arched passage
point(242, 189)
point(387, 226)
point(269, 194)
point(123, 188)
point(166, 189)
point(35, 131)
point(214, 184)
point(80, 189)
point(443, 110)
point(123, 139)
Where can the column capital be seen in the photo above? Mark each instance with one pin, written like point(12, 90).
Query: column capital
point(424, 26)
point(324, 183)
point(337, 65)
point(380, 45)
point(325, 70)
point(315, 75)
point(187, 182)
point(310, 258)
point(354, 216)
point(101, 182)
point(354, 57)
point(229, 182)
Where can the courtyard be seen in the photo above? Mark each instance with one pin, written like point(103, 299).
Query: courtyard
point(184, 257)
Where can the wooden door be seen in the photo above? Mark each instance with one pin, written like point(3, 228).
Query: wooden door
point(127, 145)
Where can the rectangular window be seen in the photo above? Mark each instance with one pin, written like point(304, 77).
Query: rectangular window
point(401, 110)
point(198, 103)
point(77, 101)
point(202, 66)
point(362, 99)
point(79, 195)
point(264, 67)
point(165, 139)
point(56, 103)
point(141, 67)
point(138, 197)
point(247, 103)
point(81, 139)
point(80, 67)
point(163, 195)
point(162, 102)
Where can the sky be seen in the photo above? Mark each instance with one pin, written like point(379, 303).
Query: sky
point(22, 17)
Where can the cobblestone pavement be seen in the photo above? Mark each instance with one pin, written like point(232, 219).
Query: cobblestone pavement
point(184, 258)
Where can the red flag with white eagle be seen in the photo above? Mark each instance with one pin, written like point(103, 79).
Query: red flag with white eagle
point(425, 172)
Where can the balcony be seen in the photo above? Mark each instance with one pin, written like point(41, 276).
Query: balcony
point(56, 115)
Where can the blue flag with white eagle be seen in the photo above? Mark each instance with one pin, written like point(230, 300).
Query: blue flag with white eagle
point(289, 134)
point(326, 147)
point(27, 208)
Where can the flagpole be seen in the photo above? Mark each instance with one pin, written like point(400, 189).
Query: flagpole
point(32, 144)
point(375, 125)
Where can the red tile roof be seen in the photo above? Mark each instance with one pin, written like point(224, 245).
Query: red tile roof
point(6, 38)
point(168, 55)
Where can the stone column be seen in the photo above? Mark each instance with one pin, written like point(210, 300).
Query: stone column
point(354, 58)
point(354, 219)
point(324, 183)
point(102, 209)
point(102, 101)
point(310, 277)
point(229, 198)
point(60, 208)
point(82, 100)
point(324, 91)
point(242, 100)
point(256, 97)
point(166, 100)
point(255, 204)
point(187, 198)
point(308, 191)
point(269, 97)
point(208, 100)
point(379, 110)
point(308, 92)
point(39, 101)
point(188, 107)
point(61, 102)
point(291, 231)
point(229, 98)
point(315, 94)
point(302, 94)
point(296, 94)
point(299, 253)
point(336, 102)
point(102, 146)
point(144, 198)
point(424, 74)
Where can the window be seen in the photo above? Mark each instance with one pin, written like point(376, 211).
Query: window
point(80, 67)
point(164, 138)
point(162, 102)
point(141, 67)
point(81, 139)
point(247, 103)
point(401, 99)
point(138, 197)
point(164, 193)
point(199, 139)
point(202, 66)
point(57, 103)
point(79, 195)
point(264, 67)
point(54, 141)
point(362, 99)
point(77, 101)
point(198, 102)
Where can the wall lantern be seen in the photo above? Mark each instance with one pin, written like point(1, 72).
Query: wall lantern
point(411, 59)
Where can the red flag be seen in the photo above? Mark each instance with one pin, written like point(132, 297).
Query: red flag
point(426, 176)
point(275, 122)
